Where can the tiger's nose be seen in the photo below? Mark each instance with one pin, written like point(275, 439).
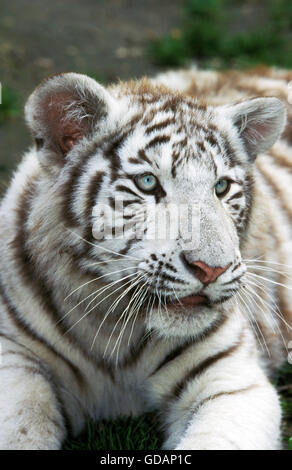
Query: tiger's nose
point(205, 273)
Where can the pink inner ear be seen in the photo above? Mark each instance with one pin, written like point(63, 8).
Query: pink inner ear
point(68, 141)
point(63, 130)
point(256, 131)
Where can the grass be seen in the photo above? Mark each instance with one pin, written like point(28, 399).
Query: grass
point(122, 434)
point(10, 106)
point(283, 383)
point(143, 433)
point(207, 35)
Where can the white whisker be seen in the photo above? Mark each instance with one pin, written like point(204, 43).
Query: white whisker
point(103, 248)
point(137, 290)
point(268, 280)
point(268, 307)
point(269, 270)
point(266, 290)
point(253, 322)
point(111, 285)
point(98, 292)
point(112, 307)
point(136, 307)
point(87, 312)
point(267, 262)
point(97, 278)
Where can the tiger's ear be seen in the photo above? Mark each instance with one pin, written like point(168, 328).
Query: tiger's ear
point(64, 109)
point(259, 122)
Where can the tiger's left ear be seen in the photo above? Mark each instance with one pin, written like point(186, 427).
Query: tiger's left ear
point(259, 122)
point(63, 110)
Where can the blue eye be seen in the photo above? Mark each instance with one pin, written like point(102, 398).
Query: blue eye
point(222, 187)
point(146, 182)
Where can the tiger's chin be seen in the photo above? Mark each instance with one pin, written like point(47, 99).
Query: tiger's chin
point(189, 316)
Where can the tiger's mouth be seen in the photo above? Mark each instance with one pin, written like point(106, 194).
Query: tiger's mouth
point(191, 301)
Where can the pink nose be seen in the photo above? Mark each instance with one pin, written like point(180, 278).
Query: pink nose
point(207, 274)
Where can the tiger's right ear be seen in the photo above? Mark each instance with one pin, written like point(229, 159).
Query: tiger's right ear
point(259, 123)
point(64, 109)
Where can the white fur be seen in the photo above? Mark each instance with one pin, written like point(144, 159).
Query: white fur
point(230, 404)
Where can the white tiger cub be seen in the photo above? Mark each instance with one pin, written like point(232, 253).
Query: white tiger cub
point(101, 327)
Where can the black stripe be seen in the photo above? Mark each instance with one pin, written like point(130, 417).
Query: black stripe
point(223, 299)
point(175, 157)
point(179, 161)
point(94, 186)
point(23, 256)
point(229, 152)
point(93, 189)
point(109, 150)
point(134, 161)
point(144, 157)
point(137, 351)
point(41, 369)
point(174, 354)
point(26, 356)
point(222, 394)
point(129, 244)
point(180, 144)
point(158, 140)
point(125, 189)
point(201, 146)
point(112, 154)
point(35, 282)
point(159, 126)
point(201, 368)
point(168, 277)
point(72, 184)
point(29, 331)
point(235, 196)
point(236, 266)
point(132, 201)
point(190, 342)
point(170, 267)
point(115, 143)
point(29, 369)
point(171, 104)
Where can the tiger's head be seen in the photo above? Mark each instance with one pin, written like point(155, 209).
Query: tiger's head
point(158, 188)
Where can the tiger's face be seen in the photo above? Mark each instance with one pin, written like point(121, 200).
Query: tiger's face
point(160, 188)
point(184, 271)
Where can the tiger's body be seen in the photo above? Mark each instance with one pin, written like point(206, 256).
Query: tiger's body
point(123, 326)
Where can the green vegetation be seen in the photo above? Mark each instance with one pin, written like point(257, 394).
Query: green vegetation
point(211, 32)
point(10, 106)
point(122, 434)
point(143, 433)
point(284, 384)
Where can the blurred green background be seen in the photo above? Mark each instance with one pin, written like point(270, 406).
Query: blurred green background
point(121, 39)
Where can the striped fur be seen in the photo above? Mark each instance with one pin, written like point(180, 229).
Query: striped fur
point(110, 327)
